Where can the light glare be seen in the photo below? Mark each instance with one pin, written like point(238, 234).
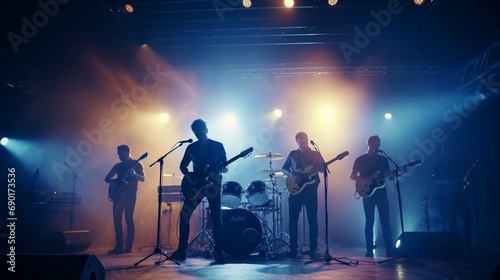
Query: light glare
point(332, 2)
point(388, 116)
point(4, 141)
point(247, 3)
point(164, 117)
point(278, 113)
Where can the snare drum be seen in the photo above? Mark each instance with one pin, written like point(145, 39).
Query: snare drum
point(231, 194)
point(256, 193)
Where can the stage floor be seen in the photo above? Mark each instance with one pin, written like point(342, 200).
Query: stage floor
point(347, 263)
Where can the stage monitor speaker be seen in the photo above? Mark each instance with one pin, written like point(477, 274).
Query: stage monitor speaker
point(431, 244)
point(83, 267)
point(68, 241)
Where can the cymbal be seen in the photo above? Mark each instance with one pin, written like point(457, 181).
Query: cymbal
point(173, 175)
point(268, 180)
point(277, 172)
point(275, 156)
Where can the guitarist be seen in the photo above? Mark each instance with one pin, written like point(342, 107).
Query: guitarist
point(364, 166)
point(206, 155)
point(125, 198)
point(448, 175)
point(295, 163)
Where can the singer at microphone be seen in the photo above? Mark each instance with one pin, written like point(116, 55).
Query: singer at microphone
point(186, 141)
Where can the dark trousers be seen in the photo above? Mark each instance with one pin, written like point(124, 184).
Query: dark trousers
point(456, 210)
point(309, 198)
point(124, 204)
point(212, 194)
point(379, 200)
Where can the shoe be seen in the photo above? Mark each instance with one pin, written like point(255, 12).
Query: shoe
point(292, 254)
point(369, 254)
point(127, 251)
point(115, 251)
point(314, 255)
point(219, 258)
point(179, 255)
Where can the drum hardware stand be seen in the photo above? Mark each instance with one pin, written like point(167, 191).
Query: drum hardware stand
point(169, 211)
point(157, 249)
point(327, 258)
point(203, 235)
point(277, 216)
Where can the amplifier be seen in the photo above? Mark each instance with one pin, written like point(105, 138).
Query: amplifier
point(68, 241)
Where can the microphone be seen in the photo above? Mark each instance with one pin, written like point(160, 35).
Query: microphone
point(312, 143)
point(186, 141)
point(378, 151)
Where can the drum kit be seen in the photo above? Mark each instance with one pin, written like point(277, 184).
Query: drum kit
point(246, 225)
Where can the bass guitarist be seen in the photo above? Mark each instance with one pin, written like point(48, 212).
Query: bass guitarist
point(128, 173)
point(297, 161)
point(364, 166)
point(206, 156)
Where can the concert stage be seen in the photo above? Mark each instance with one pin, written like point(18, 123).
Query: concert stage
point(476, 265)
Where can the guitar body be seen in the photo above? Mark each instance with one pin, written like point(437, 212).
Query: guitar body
point(367, 190)
point(192, 191)
point(119, 182)
point(296, 187)
point(113, 189)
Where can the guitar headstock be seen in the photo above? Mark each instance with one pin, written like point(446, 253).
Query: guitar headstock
point(145, 155)
point(246, 152)
point(342, 155)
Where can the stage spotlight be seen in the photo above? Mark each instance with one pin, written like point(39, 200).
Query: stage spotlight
point(278, 113)
point(247, 3)
point(398, 243)
point(4, 141)
point(388, 116)
point(230, 119)
point(164, 117)
point(327, 113)
point(129, 8)
point(332, 2)
point(125, 8)
point(289, 3)
point(418, 2)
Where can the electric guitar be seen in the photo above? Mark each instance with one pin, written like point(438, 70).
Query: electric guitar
point(119, 182)
point(192, 191)
point(296, 187)
point(366, 190)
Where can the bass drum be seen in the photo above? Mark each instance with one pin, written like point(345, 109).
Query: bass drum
point(241, 232)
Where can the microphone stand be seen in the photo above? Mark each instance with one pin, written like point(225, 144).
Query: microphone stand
point(327, 258)
point(404, 254)
point(157, 249)
point(72, 196)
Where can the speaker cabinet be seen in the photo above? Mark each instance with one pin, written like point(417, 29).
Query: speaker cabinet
point(68, 241)
point(431, 244)
point(83, 267)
